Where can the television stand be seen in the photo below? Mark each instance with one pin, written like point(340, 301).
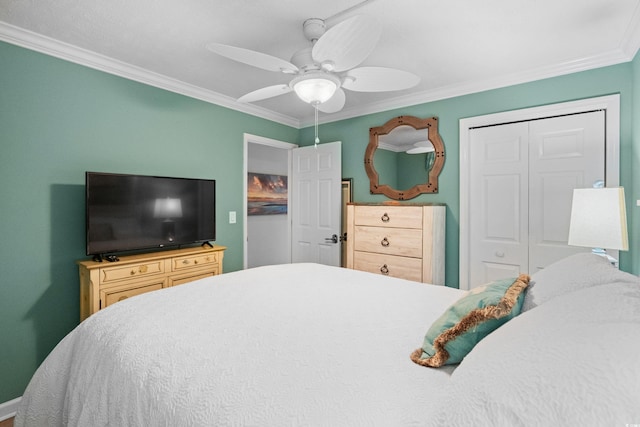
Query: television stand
point(103, 284)
point(207, 244)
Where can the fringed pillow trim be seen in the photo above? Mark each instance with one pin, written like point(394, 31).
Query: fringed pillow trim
point(471, 320)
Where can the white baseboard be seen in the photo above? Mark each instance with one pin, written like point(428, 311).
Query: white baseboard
point(8, 409)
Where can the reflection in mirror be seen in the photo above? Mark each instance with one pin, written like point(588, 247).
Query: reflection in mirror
point(404, 157)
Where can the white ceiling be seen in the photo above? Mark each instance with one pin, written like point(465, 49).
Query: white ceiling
point(455, 46)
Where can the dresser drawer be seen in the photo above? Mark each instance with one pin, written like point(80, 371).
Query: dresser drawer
point(386, 240)
point(389, 216)
point(180, 280)
point(389, 265)
point(191, 261)
point(131, 271)
point(113, 296)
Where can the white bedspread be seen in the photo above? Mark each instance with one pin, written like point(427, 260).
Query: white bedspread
point(288, 345)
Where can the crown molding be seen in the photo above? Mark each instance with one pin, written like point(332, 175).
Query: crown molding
point(33, 41)
point(623, 54)
point(631, 39)
point(39, 43)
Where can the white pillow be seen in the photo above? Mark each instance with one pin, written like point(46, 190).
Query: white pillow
point(574, 360)
point(570, 274)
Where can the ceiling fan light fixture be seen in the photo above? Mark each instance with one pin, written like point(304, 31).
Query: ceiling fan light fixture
point(315, 88)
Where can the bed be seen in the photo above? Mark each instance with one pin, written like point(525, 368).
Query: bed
point(312, 345)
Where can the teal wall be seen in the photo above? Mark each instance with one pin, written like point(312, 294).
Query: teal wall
point(412, 170)
point(386, 161)
point(632, 171)
point(623, 79)
point(58, 120)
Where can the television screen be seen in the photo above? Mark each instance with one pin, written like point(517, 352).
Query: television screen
point(132, 212)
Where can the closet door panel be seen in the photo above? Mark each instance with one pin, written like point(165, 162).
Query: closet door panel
point(565, 153)
point(498, 202)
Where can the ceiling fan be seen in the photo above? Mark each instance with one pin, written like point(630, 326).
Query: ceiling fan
point(321, 72)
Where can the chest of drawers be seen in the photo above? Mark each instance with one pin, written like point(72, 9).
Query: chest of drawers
point(405, 241)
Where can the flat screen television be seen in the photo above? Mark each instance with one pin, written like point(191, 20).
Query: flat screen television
point(138, 212)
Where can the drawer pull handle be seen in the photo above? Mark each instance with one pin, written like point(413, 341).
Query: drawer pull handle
point(185, 262)
point(384, 242)
point(123, 297)
point(142, 269)
point(385, 217)
point(500, 254)
point(384, 270)
point(195, 262)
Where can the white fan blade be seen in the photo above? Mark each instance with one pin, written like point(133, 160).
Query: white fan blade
point(265, 92)
point(347, 44)
point(379, 79)
point(335, 103)
point(251, 57)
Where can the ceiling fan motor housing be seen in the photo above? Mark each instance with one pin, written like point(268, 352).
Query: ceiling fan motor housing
point(304, 60)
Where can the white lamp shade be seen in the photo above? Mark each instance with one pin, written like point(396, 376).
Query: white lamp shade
point(315, 88)
point(168, 208)
point(599, 219)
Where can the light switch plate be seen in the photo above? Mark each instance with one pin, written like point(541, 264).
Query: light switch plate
point(232, 217)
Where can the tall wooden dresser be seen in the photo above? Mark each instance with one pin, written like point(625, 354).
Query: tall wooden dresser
point(405, 241)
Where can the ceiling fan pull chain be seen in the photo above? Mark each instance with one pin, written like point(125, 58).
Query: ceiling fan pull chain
point(317, 140)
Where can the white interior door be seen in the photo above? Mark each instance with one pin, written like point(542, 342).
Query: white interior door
point(316, 185)
point(522, 177)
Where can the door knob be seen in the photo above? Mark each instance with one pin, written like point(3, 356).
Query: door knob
point(333, 239)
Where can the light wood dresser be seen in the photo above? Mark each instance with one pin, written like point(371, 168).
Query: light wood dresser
point(405, 241)
point(105, 283)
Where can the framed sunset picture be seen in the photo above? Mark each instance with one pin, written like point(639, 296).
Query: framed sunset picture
point(266, 194)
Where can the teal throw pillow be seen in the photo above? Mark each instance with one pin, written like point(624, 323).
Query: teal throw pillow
point(469, 320)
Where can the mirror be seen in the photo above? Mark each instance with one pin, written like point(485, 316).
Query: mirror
point(409, 155)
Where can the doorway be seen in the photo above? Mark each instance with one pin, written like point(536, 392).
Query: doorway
point(313, 210)
point(267, 237)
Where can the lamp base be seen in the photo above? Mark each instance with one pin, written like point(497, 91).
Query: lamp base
point(603, 253)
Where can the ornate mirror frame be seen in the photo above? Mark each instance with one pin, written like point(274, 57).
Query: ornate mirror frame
point(431, 186)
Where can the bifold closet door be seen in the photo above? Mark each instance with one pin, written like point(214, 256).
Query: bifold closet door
point(522, 180)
